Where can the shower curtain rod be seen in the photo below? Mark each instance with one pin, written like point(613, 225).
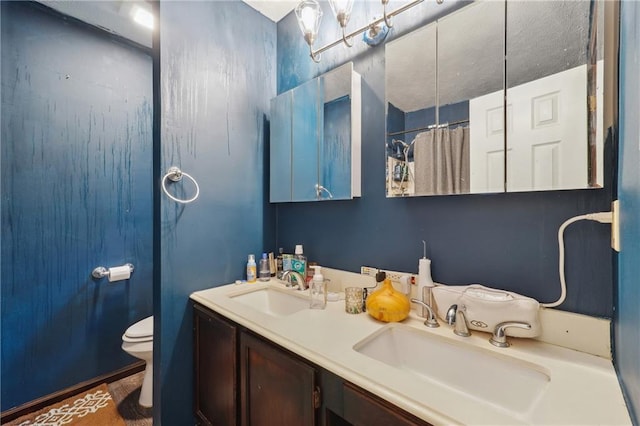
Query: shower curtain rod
point(433, 126)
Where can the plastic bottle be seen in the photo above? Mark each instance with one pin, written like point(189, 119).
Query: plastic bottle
point(251, 269)
point(272, 265)
point(264, 274)
point(318, 290)
point(299, 263)
point(279, 267)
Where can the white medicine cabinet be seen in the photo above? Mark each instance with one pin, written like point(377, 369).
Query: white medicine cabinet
point(315, 139)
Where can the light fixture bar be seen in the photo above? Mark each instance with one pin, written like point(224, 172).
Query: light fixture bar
point(315, 53)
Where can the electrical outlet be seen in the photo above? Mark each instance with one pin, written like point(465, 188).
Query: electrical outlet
point(394, 276)
point(368, 271)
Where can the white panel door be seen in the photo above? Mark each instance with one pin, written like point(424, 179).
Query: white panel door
point(547, 144)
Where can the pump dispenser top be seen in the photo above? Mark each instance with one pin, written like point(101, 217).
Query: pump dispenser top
point(317, 275)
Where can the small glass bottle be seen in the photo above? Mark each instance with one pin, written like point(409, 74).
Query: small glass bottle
point(251, 269)
point(264, 274)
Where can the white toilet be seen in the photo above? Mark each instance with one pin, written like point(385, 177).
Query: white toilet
point(137, 341)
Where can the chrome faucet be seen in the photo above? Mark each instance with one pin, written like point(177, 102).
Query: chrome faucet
point(499, 337)
point(301, 282)
point(456, 316)
point(431, 320)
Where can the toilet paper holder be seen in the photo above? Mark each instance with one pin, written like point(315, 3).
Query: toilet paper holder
point(101, 271)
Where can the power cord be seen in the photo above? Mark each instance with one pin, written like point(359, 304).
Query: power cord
point(602, 217)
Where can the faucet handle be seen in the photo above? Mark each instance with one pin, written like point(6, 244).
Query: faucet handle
point(499, 337)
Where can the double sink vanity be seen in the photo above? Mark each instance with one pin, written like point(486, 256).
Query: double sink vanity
point(263, 357)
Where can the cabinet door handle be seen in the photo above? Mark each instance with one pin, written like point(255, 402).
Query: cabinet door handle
point(320, 189)
point(317, 398)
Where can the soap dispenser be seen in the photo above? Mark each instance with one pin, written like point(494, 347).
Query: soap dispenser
point(318, 290)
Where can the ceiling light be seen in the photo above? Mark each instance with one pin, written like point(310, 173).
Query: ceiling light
point(143, 17)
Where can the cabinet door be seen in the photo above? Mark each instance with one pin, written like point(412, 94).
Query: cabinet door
point(335, 151)
point(306, 135)
point(280, 148)
point(275, 388)
point(215, 361)
point(363, 409)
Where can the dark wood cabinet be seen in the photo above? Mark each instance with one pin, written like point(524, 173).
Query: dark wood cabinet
point(215, 361)
point(275, 388)
point(241, 379)
point(361, 408)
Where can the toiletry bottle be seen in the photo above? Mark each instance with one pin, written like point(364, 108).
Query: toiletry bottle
point(279, 268)
point(311, 270)
point(299, 263)
point(263, 270)
point(251, 269)
point(272, 265)
point(318, 290)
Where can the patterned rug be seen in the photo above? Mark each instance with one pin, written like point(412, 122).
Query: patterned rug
point(95, 407)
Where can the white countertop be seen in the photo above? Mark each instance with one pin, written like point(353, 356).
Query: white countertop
point(583, 389)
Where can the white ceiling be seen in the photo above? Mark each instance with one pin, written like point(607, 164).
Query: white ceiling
point(273, 9)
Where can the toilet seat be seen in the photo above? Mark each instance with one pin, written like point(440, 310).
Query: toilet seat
point(142, 331)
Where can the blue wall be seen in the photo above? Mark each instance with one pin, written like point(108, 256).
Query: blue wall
point(76, 194)
point(217, 69)
point(627, 337)
point(507, 241)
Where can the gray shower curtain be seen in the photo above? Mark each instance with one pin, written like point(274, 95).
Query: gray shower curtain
point(441, 158)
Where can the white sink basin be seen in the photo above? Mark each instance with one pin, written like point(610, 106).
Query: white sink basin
point(509, 383)
point(272, 301)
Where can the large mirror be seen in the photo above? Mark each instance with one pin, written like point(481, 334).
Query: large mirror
point(447, 85)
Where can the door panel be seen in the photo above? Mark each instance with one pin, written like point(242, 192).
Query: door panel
point(275, 388)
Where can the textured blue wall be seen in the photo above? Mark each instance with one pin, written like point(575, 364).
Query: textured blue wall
point(217, 77)
point(627, 337)
point(502, 240)
point(76, 194)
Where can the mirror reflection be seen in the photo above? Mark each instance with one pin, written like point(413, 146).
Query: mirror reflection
point(551, 137)
point(315, 139)
point(445, 93)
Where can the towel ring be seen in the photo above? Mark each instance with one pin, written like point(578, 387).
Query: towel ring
point(175, 175)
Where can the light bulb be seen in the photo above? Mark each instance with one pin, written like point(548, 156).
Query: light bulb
point(342, 10)
point(307, 18)
point(309, 15)
point(143, 17)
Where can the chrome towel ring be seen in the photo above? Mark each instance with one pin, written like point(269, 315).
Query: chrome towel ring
point(174, 174)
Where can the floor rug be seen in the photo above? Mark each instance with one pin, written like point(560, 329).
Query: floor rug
point(94, 407)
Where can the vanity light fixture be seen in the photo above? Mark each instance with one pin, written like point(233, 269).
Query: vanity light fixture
point(309, 15)
point(342, 11)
